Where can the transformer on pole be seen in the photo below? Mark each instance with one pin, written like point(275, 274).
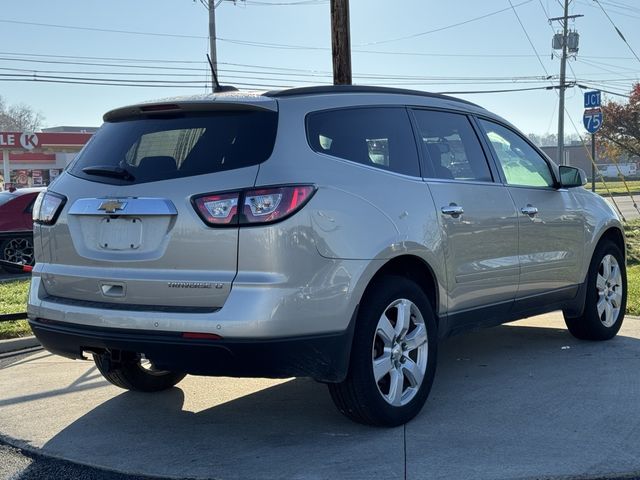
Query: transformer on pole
point(567, 41)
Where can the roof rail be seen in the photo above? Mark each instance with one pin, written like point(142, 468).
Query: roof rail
point(325, 89)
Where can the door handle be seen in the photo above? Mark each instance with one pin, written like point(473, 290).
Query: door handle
point(453, 210)
point(529, 210)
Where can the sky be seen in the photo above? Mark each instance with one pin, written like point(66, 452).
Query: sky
point(438, 46)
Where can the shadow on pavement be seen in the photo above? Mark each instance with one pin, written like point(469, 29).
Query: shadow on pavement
point(508, 402)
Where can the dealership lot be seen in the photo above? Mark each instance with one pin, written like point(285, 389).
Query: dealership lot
point(517, 401)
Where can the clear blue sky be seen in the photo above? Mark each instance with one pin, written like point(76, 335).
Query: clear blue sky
point(495, 46)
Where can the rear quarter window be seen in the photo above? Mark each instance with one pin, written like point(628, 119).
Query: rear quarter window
point(377, 137)
point(153, 149)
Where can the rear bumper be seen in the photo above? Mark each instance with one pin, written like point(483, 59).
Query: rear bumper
point(322, 357)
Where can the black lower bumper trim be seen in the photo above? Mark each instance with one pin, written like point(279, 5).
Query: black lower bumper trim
point(322, 357)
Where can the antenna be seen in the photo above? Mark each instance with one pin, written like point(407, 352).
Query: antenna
point(217, 88)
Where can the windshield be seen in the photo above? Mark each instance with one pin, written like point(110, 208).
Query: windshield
point(153, 149)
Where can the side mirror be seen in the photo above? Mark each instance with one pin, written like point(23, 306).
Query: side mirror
point(572, 177)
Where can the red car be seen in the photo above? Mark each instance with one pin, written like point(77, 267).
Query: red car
point(16, 225)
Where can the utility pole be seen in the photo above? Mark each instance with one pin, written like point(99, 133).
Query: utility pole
point(212, 38)
point(340, 42)
point(563, 76)
point(568, 43)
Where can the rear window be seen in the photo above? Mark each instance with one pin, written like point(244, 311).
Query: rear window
point(153, 149)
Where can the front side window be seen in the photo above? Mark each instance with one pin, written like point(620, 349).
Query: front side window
point(521, 164)
point(377, 137)
point(452, 146)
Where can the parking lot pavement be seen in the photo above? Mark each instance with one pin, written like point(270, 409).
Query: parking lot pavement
point(524, 400)
point(625, 204)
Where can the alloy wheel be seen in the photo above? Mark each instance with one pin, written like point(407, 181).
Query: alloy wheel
point(400, 352)
point(19, 250)
point(610, 290)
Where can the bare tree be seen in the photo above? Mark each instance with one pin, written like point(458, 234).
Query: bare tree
point(19, 118)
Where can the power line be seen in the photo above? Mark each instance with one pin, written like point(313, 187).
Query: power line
point(552, 87)
point(617, 30)
point(107, 30)
point(271, 4)
point(586, 86)
point(440, 29)
point(515, 12)
point(136, 60)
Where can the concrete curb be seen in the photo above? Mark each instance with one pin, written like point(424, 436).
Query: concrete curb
point(13, 344)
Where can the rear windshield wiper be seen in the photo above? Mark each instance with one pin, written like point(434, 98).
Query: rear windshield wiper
point(109, 171)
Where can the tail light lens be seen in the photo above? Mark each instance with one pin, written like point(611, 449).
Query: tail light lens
point(259, 206)
point(47, 207)
point(273, 204)
point(218, 210)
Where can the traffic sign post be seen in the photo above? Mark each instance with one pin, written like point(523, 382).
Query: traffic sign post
point(592, 120)
point(593, 163)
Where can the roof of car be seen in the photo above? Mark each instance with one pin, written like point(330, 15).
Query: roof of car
point(262, 100)
point(25, 191)
point(333, 89)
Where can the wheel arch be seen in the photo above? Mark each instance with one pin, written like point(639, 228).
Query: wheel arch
point(415, 269)
point(615, 235)
point(611, 231)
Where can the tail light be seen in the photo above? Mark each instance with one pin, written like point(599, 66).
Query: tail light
point(47, 207)
point(259, 206)
point(274, 204)
point(218, 210)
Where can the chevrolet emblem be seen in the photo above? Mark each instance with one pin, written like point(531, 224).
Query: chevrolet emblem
point(111, 206)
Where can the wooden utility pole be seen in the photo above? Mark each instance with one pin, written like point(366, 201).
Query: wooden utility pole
point(212, 39)
point(340, 42)
point(563, 69)
point(567, 42)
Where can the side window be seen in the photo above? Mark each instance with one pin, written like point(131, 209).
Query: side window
point(378, 137)
point(521, 164)
point(452, 146)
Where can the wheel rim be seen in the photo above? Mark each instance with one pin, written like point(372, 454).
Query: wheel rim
point(147, 366)
point(19, 250)
point(400, 352)
point(610, 290)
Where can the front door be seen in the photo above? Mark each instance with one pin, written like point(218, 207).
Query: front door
point(551, 225)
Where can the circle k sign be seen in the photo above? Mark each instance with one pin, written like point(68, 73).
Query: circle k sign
point(29, 141)
point(25, 140)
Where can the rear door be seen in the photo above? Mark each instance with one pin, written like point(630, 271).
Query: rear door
point(551, 224)
point(136, 229)
point(476, 214)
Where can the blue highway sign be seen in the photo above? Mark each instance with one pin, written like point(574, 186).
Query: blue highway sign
point(592, 99)
point(592, 119)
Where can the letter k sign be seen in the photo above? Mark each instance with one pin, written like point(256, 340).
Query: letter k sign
point(29, 141)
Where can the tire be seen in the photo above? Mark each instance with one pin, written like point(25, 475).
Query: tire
point(132, 374)
point(17, 250)
point(606, 297)
point(401, 352)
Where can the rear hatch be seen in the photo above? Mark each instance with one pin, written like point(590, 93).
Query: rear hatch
point(130, 233)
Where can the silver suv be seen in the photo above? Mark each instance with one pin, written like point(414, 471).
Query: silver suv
point(331, 232)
